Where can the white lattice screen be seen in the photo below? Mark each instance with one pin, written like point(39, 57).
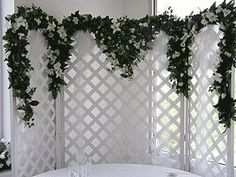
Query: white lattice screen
point(104, 115)
point(116, 120)
point(207, 143)
point(166, 110)
point(34, 149)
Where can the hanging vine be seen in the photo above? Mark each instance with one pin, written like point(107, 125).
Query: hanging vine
point(125, 42)
point(19, 65)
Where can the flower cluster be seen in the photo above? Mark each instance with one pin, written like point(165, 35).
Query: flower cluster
point(125, 42)
point(5, 157)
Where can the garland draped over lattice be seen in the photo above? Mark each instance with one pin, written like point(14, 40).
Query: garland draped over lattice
point(125, 42)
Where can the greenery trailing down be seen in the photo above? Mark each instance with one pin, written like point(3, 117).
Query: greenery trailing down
point(224, 16)
point(125, 42)
point(5, 157)
point(24, 20)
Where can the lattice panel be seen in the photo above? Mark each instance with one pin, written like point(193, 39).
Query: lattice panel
point(207, 143)
point(166, 110)
point(35, 147)
point(104, 114)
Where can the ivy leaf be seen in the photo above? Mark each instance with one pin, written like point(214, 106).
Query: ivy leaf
point(34, 103)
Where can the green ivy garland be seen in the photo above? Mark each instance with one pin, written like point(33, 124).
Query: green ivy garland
point(125, 42)
point(224, 16)
point(26, 19)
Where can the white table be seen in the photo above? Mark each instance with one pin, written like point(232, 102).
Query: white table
point(125, 170)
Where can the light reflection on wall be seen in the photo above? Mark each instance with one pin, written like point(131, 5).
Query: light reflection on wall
point(185, 7)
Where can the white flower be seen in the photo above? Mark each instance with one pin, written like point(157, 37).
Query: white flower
point(226, 12)
point(143, 24)
point(51, 26)
point(180, 84)
point(75, 20)
point(113, 55)
point(50, 72)
point(19, 22)
point(204, 22)
point(8, 17)
point(218, 77)
point(62, 33)
point(234, 23)
point(112, 61)
point(21, 35)
point(142, 53)
point(58, 69)
point(28, 89)
point(176, 54)
point(219, 9)
point(228, 54)
point(130, 41)
point(223, 41)
point(116, 27)
point(8, 162)
point(21, 102)
point(59, 73)
point(103, 47)
point(1, 165)
point(9, 70)
point(181, 74)
point(211, 16)
point(3, 141)
point(137, 45)
point(222, 27)
point(182, 44)
point(51, 56)
point(143, 43)
point(132, 30)
point(223, 95)
point(185, 37)
point(57, 52)
point(57, 66)
point(38, 21)
point(21, 113)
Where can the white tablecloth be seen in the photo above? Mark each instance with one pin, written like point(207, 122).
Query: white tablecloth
point(125, 170)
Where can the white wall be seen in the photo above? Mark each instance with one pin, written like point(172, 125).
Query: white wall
point(185, 7)
point(61, 8)
point(7, 7)
point(137, 8)
point(113, 8)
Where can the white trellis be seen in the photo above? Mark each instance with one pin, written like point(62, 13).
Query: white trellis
point(103, 114)
point(34, 148)
point(207, 143)
point(116, 120)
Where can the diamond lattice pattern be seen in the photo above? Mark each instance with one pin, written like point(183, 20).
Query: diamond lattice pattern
point(166, 109)
point(207, 141)
point(105, 115)
point(35, 147)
